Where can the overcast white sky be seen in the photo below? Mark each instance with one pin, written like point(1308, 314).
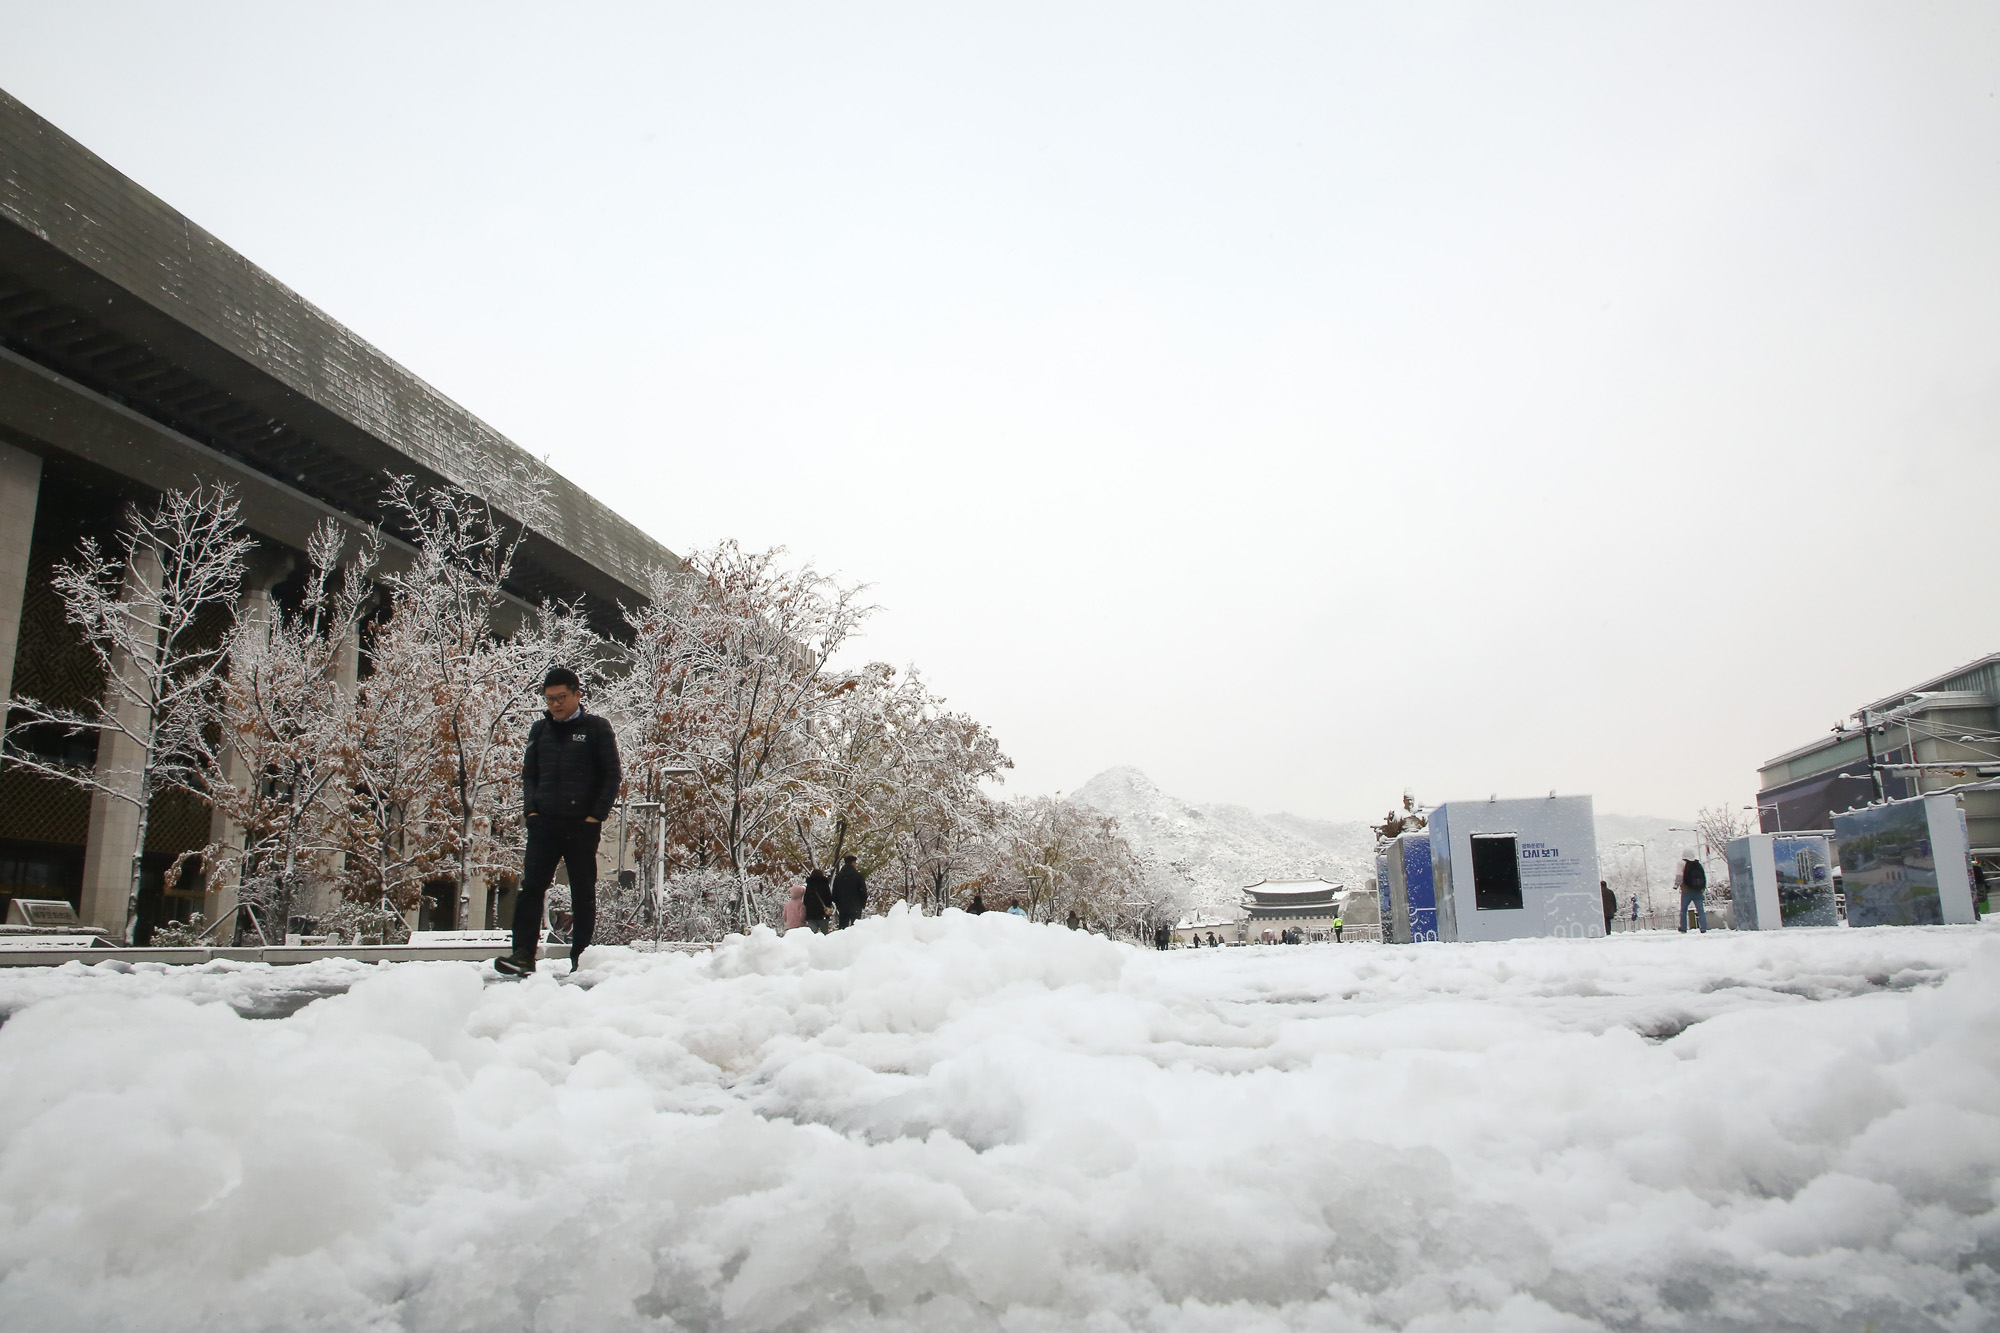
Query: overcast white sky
point(1296, 401)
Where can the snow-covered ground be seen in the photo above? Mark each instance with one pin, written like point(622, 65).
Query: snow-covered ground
point(983, 1123)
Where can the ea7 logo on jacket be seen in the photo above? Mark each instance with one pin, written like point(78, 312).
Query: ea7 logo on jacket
point(580, 736)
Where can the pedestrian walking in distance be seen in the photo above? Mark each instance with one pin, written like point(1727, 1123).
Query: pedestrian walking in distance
point(569, 780)
point(977, 906)
point(850, 892)
point(1692, 881)
point(819, 901)
point(1610, 903)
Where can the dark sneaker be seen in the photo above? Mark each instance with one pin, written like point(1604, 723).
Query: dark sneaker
point(510, 966)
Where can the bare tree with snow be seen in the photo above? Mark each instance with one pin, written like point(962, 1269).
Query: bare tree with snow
point(435, 745)
point(1717, 827)
point(277, 769)
point(904, 777)
point(156, 617)
point(1061, 857)
point(474, 685)
point(942, 821)
point(731, 675)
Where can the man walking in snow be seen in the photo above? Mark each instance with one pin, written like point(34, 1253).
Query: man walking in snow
point(1610, 903)
point(850, 892)
point(1692, 881)
point(569, 780)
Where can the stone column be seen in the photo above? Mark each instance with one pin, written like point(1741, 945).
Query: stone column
point(114, 821)
point(347, 669)
point(20, 491)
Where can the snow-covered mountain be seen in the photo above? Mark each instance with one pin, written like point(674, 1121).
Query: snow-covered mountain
point(1212, 851)
point(1351, 844)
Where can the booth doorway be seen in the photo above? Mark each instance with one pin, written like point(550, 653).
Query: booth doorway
point(1496, 872)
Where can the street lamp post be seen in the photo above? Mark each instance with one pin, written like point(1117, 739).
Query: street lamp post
point(1777, 814)
point(659, 844)
point(659, 853)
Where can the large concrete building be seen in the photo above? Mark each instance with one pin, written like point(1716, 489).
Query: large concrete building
point(1941, 735)
point(138, 353)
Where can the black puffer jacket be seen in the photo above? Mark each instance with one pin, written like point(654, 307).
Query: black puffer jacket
point(819, 898)
point(571, 768)
point(850, 891)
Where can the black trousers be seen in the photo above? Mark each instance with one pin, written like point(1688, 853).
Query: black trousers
point(573, 842)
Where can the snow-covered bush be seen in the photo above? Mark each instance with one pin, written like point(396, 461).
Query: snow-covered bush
point(705, 904)
point(365, 923)
point(179, 934)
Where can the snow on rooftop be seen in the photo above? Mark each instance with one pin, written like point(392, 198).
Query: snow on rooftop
point(984, 1123)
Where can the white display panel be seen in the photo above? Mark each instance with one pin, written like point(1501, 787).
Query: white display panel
point(1906, 863)
point(1507, 870)
point(1782, 879)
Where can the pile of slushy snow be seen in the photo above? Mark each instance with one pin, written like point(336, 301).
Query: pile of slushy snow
point(975, 1122)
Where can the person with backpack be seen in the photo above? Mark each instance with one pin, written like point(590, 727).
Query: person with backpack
point(819, 901)
point(569, 780)
point(850, 893)
point(1692, 881)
